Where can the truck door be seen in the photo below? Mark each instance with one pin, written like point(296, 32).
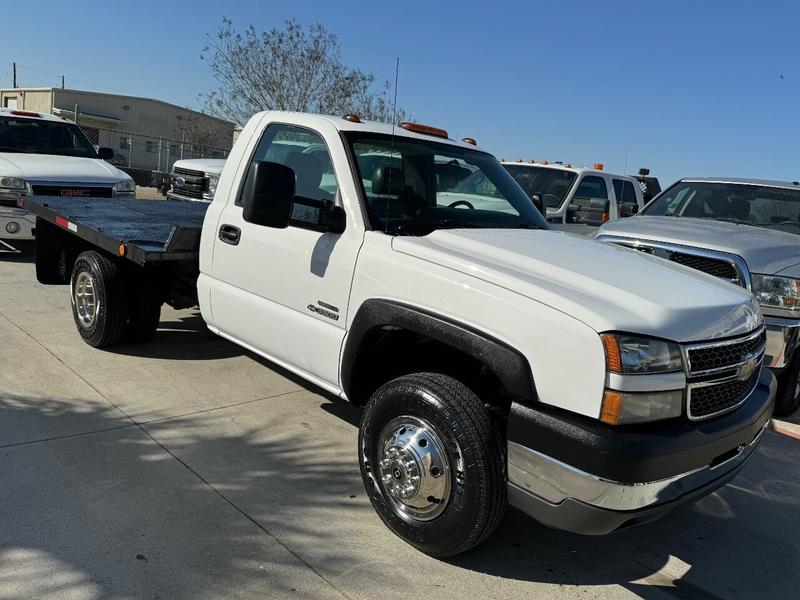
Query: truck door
point(284, 292)
point(589, 207)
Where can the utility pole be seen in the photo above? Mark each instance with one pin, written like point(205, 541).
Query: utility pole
point(15, 74)
point(62, 82)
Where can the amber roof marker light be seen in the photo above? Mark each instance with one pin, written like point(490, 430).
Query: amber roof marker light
point(352, 118)
point(424, 129)
point(470, 141)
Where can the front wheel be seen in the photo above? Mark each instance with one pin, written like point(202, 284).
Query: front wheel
point(432, 463)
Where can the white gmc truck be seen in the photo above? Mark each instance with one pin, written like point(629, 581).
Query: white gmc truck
point(45, 155)
point(497, 361)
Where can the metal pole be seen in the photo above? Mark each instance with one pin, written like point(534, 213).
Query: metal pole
point(130, 149)
point(15, 74)
point(159, 155)
point(76, 114)
point(62, 82)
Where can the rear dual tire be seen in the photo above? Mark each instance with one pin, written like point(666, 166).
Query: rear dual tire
point(110, 305)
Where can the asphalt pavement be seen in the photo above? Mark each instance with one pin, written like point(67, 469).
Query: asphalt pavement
point(189, 468)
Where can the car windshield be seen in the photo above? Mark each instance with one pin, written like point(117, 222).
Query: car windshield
point(551, 185)
point(413, 187)
point(37, 136)
point(746, 204)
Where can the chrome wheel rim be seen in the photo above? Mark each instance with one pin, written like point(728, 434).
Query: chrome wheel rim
point(85, 299)
point(413, 469)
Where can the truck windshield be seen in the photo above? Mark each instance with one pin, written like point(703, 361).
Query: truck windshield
point(551, 185)
point(413, 187)
point(746, 204)
point(37, 136)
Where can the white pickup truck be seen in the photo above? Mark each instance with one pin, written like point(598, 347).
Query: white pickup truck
point(195, 179)
point(577, 199)
point(45, 155)
point(497, 361)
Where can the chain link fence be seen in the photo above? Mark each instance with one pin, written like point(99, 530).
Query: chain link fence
point(147, 159)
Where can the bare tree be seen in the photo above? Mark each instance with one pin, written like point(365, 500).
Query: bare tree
point(199, 132)
point(289, 68)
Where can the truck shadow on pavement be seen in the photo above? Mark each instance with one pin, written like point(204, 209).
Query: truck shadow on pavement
point(200, 506)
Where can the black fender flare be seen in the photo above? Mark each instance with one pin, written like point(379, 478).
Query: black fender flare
point(509, 365)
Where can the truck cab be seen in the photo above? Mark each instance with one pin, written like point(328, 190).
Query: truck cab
point(577, 199)
point(48, 156)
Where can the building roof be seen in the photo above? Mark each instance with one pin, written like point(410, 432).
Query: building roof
point(121, 96)
point(563, 167)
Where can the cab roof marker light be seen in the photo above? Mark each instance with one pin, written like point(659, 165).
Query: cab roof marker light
point(469, 140)
point(353, 118)
point(544, 162)
point(599, 166)
point(519, 160)
point(424, 129)
point(25, 113)
point(531, 161)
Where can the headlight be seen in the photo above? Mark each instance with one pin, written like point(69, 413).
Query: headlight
point(125, 188)
point(13, 183)
point(776, 292)
point(213, 180)
point(630, 355)
point(623, 408)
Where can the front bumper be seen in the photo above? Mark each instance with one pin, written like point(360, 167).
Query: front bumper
point(589, 478)
point(175, 196)
point(783, 337)
point(19, 219)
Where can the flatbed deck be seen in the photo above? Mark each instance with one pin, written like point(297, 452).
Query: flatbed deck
point(151, 230)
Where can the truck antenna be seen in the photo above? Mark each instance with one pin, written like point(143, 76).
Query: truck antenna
point(391, 144)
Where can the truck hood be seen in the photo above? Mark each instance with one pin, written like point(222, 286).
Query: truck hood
point(49, 167)
point(764, 250)
point(608, 287)
point(207, 165)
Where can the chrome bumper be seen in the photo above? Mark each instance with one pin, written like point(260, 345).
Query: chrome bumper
point(26, 222)
point(783, 337)
point(548, 479)
point(174, 196)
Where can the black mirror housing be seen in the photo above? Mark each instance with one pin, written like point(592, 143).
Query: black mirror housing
point(538, 203)
point(268, 195)
point(105, 153)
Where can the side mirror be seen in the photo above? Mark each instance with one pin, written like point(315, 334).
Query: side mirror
point(628, 209)
point(268, 195)
point(597, 213)
point(105, 153)
point(538, 203)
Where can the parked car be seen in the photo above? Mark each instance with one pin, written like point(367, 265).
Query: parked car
point(195, 179)
point(577, 199)
point(496, 360)
point(745, 231)
point(45, 155)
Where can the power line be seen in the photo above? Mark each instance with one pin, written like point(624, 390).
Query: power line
point(58, 77)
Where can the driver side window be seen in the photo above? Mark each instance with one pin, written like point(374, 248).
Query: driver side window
point(582, 209)
point(305, 152)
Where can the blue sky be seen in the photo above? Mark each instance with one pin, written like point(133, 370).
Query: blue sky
point(685, 88)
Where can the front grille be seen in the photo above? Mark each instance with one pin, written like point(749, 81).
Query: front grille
point(724, 354)
point(194, 185)
point(712, 266)
point(75, 191)
point(721, 375)
point(190, 172)
point(716, 398)
point(718, 267)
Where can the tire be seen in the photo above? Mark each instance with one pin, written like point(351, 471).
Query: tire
point(144, 303)
point(98, 281)
point(451, 419)
point(788, 398)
